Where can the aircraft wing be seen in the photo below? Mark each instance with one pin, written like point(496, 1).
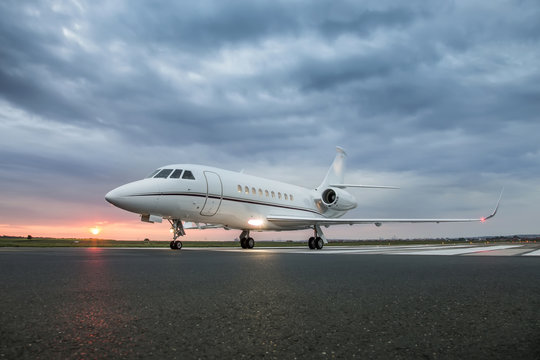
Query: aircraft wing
point(322, 221)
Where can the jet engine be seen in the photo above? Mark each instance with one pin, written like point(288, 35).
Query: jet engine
point(337, 199)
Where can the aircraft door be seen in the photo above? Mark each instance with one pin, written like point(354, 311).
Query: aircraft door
point(214, 194)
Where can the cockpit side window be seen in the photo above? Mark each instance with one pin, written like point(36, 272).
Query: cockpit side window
point(176, 174)
point(152, 174)
point(188, 175)
point(163, 173)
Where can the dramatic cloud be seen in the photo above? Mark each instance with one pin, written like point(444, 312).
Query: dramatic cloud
point(442, 99)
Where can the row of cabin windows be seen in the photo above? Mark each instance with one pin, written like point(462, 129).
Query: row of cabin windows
point(266, 193)
point(174, 174)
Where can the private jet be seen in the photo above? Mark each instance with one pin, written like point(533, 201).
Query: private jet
point(203, 197)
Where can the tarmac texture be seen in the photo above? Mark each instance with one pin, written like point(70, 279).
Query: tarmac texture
point(147, 303)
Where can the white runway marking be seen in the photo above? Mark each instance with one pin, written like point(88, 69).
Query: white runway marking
point(533, 253)
point(434, 250)
point(461, 251)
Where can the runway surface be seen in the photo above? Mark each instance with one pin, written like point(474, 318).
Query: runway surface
point(381, 302)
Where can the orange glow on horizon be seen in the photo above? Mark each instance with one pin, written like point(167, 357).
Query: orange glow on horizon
point(107, 230)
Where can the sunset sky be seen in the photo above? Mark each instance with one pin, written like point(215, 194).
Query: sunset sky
point(439, 98)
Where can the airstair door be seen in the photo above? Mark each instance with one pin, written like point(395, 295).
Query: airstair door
point(214, 194)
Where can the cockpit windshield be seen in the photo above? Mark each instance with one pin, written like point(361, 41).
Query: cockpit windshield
point(174, 174)
point(163, 173)
point(188, 175)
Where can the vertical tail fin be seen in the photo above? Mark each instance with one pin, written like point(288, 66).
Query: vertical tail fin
point(336, 173)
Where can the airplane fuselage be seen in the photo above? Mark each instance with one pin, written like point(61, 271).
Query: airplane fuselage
point(217, 196)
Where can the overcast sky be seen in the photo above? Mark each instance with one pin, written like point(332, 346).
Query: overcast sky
point(441, 98)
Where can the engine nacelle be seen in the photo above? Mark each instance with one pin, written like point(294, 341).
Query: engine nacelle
point(337, 199)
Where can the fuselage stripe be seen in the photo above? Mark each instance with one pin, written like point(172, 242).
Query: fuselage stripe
point(226, 198)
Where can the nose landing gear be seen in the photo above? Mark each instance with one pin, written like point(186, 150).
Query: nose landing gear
point(178, 230)
point(175, 244)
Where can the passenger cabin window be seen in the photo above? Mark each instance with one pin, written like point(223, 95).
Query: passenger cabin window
point(176, 174)
point(266, 193)
point(246, 190)
point(273, 194)
point(253, 191)
point(291, 197)
point(260, 192)
point(163, 173)
point(152, 174)
point(239, 188)
point(188, 175)
point(279, 195)
point(286, 197)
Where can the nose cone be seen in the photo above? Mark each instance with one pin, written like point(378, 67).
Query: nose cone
point(121, 195)
point(112, 197)
point(139, 197)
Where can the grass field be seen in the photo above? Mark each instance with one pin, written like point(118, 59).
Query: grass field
point(6, 241)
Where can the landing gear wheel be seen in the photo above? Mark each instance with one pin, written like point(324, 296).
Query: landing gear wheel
point(171, 244)
point(250, 243)
point(243, 243)
point(177, 245)
point(311, 243)
point(319, 243)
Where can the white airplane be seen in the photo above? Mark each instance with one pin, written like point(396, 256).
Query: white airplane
point(202, 197)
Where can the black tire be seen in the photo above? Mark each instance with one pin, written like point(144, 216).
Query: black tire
point(243, 243)
point(311, 243)
point(171, 245)
point(178, 245)
point(319, 243)
point(250, 243)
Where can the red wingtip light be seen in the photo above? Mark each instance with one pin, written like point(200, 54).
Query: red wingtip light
point(483, 219)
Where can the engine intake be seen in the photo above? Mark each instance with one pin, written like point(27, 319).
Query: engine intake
point(338, 199)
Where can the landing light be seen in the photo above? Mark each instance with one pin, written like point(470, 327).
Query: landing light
point(255, 222)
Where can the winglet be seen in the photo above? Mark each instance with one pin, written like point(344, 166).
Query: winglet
point(496, 207)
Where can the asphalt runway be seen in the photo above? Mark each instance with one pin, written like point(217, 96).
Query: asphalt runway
point(365, 302)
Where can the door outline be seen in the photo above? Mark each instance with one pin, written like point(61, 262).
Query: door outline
point(214, 188)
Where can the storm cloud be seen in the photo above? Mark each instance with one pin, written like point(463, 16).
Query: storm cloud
point(441, 98)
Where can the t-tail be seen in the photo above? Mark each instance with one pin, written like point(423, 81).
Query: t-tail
point(332, 194)
point(336, 173)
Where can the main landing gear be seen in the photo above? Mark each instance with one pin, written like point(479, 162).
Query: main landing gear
point(245, 241)
point(315, 243)
point(318, 240)
point(178, 230)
